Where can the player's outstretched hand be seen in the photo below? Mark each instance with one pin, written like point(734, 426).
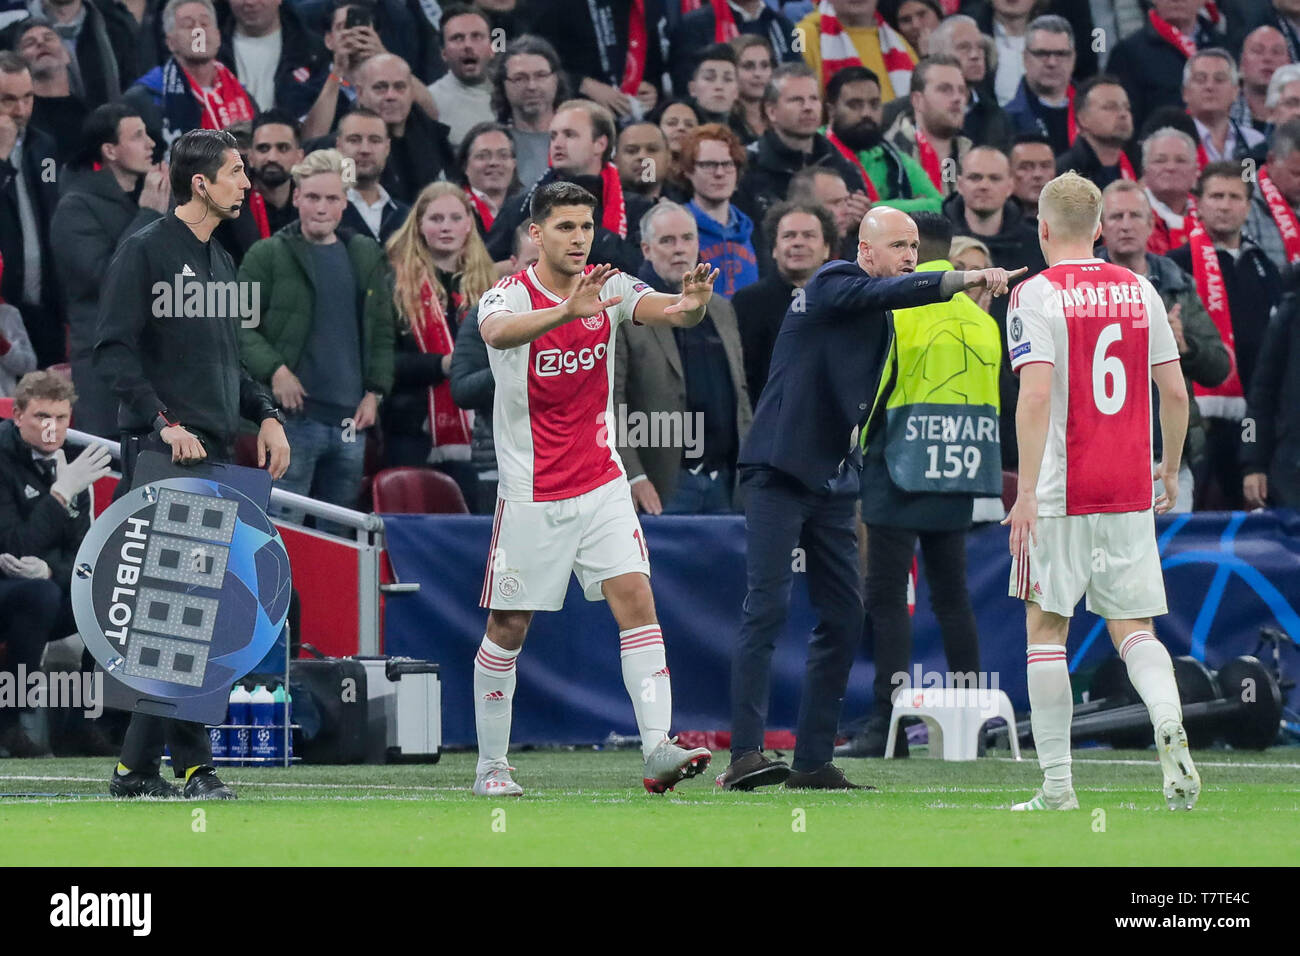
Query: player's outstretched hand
point(996, 281)
point(1023, 520)
point(697, 289)
point(1165, 503)
point(585, 301)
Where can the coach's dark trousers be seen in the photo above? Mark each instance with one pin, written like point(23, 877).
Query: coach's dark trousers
point(142, 746)
point(780, 516)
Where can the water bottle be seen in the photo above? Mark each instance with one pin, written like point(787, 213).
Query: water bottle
point(279, 720)
point(239, 743)
point(263, 738)
point(217, 741)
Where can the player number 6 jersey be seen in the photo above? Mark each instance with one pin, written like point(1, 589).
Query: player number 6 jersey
point(1102, 328)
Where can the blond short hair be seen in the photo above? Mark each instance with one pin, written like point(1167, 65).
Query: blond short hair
point(1071, 206)
point(47, 385)
point(315, 163)
point(964, 244)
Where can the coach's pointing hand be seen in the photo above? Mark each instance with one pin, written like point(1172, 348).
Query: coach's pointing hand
point(585, 298)
point(996, 281)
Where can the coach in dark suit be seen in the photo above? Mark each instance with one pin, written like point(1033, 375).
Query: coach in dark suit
point(799, 470)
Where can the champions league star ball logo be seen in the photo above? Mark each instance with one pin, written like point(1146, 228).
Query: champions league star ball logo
point(181, 588)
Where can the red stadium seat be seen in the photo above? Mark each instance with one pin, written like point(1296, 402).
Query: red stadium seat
point(416, 491)
point(6, 408)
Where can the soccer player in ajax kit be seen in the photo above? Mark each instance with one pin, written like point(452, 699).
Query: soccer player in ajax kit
point(564, 504)
point(1085, 336)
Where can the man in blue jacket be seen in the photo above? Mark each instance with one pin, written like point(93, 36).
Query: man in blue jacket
point(799, 470)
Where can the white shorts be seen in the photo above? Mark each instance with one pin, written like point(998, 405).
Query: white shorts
point(1111, 558)
point(537, 544)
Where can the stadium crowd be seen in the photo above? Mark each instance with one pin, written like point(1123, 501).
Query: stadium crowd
point(394, 147)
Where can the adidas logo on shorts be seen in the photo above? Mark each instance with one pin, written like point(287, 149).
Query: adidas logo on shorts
point(494, 695)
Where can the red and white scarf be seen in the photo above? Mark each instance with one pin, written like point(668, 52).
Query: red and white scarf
point(1225, 400)
point(1170, 34)
point(1283, 216)
point(485, 213)
point(637, 41)
point(257, 206)
point(613, 215)
point(872, 193)
point(838, 51)
point(928, 157)
point(449, 425)
point(228, 104)
point(1170, 229)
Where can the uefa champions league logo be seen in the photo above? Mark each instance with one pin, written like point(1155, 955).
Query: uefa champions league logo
point(181, 587)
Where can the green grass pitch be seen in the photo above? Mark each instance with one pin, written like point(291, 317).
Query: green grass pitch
point(584, 807)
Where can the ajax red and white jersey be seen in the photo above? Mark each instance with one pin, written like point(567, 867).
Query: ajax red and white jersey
point(555, 394)
point(1102, 328)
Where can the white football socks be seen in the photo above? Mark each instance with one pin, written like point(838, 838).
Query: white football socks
point(1152, 673)
point(494, 691)
point(1051, 706)
point(645, 675)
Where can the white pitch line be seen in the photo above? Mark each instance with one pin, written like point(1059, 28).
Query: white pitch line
point(1155, 761)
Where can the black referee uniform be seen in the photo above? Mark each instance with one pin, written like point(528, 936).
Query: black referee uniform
point(165, 365)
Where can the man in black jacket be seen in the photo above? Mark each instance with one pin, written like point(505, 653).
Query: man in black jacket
point(1271, 463)
point(593, 39)
point(582, 150)
point(28, 194)
point(286, 82)
point(1150, 62)
point(102, 33)
point(181, 387)
point(799, 468)
point(421, 151)
point(44, 514)
point(793, 107)
point(363, 138)
point(96, 213)
point(982, 207)
point(1105, 127)
point(696, 30)
point(801, 235)
point(59, 110)
point(1251, 287)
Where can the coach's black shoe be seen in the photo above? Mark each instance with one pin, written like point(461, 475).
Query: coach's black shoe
point(753, 770)
point(204, 784)
point(826, 777)
point(872, 740)
point(141, 785)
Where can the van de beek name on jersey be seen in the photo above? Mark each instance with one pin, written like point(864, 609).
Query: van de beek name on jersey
point(1086, 294)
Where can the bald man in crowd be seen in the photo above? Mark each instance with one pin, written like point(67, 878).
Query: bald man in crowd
point(799, 471)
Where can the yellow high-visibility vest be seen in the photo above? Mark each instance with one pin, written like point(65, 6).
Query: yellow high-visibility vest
point(941, 411)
